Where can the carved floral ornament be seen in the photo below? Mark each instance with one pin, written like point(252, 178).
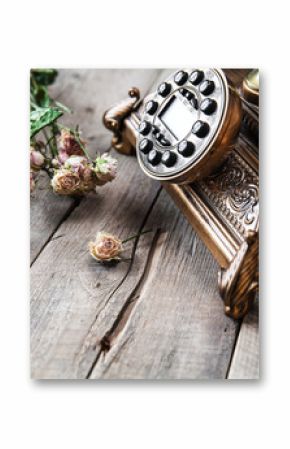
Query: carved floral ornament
point(234, 191)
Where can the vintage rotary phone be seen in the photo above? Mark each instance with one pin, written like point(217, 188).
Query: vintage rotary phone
point(198, 135)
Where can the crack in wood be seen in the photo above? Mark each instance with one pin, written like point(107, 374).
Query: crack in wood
point(129, 304)
point(122, 346)
point(133, 252)
point(126, 310)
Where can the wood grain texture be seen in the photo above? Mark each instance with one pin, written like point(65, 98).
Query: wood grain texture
point(245, 362)
point(177, 328)
point(158, 316)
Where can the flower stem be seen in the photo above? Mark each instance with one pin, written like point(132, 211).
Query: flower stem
point(136, 235)
point(48, 142)
point(77, 137)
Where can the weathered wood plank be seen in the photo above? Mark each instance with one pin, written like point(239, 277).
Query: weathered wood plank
point(177, 328)
point(83, 91)
point(245, 362)
point(46, 213)
point(69, 289)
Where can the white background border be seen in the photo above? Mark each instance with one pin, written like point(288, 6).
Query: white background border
point(52, 415)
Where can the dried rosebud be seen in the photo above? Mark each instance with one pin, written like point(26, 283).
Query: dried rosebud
point(69, 145)
point(66, 182)
point(105, 168)
point(37, 159)
point(105, 248)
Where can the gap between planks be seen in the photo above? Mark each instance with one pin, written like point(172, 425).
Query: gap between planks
point(125, 312)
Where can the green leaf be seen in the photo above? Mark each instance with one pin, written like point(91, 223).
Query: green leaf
point(42, 117)
point(44, 76)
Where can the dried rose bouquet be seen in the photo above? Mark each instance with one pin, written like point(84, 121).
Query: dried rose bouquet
point(59, 150)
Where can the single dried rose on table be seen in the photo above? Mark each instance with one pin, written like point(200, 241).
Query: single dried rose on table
point(106, 247)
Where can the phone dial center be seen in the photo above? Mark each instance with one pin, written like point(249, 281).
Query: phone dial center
point(180, 120)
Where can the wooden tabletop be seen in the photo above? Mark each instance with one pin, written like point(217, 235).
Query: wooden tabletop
point(157, 315)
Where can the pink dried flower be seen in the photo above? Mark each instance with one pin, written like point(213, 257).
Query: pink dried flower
point(37, 159)
point(66, 182)
point(88, 180)
point(105, 168)
point(82, 166)
point(76, 163)
point(106, 247)
point(76, 177)
point(68, 145)
point(62, 157)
